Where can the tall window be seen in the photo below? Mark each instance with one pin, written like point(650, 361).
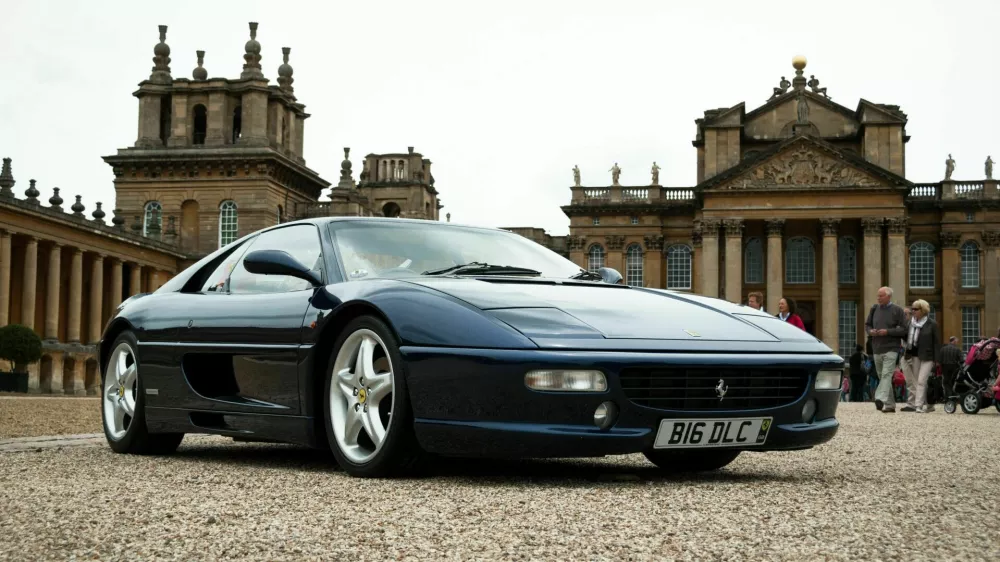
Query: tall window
point(595, 258)
point(847, 260)
point(970, 327)
point(237, 123)
point(153, 218)
point(800, 261)
point(633, 265)
point(921, 266)
point(228, 223)
point(848, 327)
point(754, 258)
point(679, 267)
point(969, 253)
point(200, 124)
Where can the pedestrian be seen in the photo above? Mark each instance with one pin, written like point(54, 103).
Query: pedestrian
point(756, 300)
point(857, 374)
point(922, 352)
point(886, 326)
point(786, 312)
point(951, 360)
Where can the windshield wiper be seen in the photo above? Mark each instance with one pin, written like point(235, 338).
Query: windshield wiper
point(584, 274)
point(475, 267)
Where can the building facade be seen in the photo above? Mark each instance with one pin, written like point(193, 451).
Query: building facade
point(806, 199)
point(214, 159)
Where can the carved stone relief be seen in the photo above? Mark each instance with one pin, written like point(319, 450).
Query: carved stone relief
point(804, 167)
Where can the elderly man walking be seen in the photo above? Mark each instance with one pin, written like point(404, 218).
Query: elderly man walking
point(886, 325)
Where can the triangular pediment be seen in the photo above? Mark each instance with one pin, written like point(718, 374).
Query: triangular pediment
point(731, 117)
point(804, 163)
point(775, 119)
point(871, 113)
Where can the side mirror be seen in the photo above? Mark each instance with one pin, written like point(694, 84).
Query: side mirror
point(278, 262)
point(610, 275)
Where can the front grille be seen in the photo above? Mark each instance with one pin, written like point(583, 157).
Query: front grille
point(694, 388)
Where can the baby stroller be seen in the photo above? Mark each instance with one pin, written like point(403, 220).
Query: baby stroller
point(974, 382)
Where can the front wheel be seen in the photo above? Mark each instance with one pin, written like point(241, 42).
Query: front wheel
point(369, 423)
point(950, 406)
point(678, 462)
point(123, 404)
point(970, 403)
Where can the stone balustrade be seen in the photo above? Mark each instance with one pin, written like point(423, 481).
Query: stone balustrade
point(950, 190)
point(631, 195)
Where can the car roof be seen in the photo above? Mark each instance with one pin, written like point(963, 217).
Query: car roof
point(394, 220)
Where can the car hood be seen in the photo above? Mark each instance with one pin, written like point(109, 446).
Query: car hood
point(616, 311)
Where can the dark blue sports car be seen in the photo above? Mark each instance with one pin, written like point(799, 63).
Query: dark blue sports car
point(388, 340)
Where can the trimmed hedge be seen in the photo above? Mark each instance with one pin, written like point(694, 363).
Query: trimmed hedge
point(20, 345)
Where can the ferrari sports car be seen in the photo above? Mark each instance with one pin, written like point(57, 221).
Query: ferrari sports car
point(388, 341)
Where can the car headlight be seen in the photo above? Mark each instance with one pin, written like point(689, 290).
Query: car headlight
point(562, 380)
point(828, 380)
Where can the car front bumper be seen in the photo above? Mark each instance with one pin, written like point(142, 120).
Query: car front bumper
point(474, 403)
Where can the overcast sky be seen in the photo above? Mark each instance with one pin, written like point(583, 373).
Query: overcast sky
point(504, 97)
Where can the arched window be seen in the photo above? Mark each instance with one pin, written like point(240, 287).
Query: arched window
point(679, 267)
point(969, 254)
point(753, 256)
point(633, 265)
point(200, 124)
point(800, 261)
point(237, 123)
point(595, 258)
point(390, 210)
point(153, 218)
point(847, 261)
point(921, 266)
point(228, 222)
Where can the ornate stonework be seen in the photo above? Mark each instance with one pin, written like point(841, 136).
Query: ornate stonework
point(654, 242)
point(615, 242)
point(951, 239)
point(734, 227)
point(991, 238)
point(897, 225)
point(775, 227)
point(710, 227)
point(803, 167)
point(829, 226)
point(575, 242)
point(872, 226)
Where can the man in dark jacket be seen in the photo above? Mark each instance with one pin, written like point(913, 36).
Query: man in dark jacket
point(951, 360)
point(858, 376)
point(886, 324)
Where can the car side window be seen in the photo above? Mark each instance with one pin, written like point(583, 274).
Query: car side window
point(218, 281)
point(300, 241)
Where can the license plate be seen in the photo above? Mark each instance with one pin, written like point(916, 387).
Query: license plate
point(709, 433)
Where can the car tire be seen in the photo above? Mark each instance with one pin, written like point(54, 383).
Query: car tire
point(678, 462)
point(127, 433)
point(348, 401)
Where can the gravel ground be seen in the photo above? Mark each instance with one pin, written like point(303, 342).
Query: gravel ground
point(900, 487)
point(28, 416)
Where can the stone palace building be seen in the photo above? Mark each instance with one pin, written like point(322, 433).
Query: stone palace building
point(214, 159)
point(808, 199)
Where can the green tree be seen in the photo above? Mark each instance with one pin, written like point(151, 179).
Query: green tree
point(20, 345)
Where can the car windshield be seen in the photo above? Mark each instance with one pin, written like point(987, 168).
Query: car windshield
point(379, 249)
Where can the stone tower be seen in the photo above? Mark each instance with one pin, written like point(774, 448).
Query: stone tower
point(400, 185)
point(215, 158)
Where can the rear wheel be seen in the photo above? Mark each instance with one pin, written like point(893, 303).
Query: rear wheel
point(971, 403)
point(691, 461)
point(369, 423)
point(123, 404)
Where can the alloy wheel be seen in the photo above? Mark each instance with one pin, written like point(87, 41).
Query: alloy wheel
point(361, 396)
point(120, 391)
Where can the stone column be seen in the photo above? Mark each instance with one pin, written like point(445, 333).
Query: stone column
point(96, 294)
point(653, 262)
point(950, 318)
point(56, 382)
point(991, 270)
point(135, 282)
point(897, 260)
point(697, 273)
point(710, 258)
point(830, 288)
point(52, 294)
point(28, 289)
point(775, 273)
point(116, 282)
point(734, 260)
point(4, 277)
point(73, 313)
point(78, 376)
point(872, 227)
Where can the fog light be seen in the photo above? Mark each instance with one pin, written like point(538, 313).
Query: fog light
point(808, 411)
point(605, 415)
point(572, 381)
point(829, 380)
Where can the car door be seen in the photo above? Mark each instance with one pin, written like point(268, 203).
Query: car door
point(243, 337)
